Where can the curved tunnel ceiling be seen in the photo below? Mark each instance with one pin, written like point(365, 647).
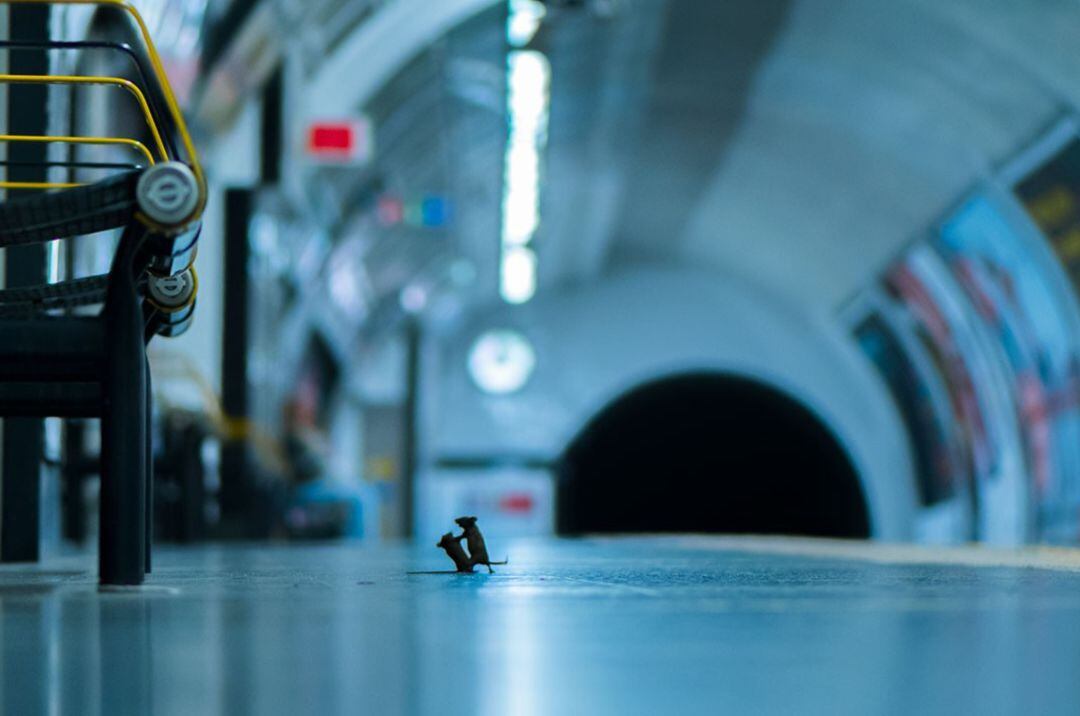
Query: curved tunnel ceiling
point(799, 142)
point(802, 143)
point(868, 120)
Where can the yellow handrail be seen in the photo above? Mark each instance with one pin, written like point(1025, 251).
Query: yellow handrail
point(124, 141)
point(229, 428)
point(38, 185)
point(133, 143)
point(159, 71)
point(106, 81)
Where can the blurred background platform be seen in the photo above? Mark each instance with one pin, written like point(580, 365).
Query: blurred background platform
point(622, 625)
point(806, 268)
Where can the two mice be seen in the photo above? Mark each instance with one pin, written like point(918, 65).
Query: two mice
point(474, 539)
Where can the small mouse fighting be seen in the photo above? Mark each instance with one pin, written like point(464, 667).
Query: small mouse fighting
point(474, 540)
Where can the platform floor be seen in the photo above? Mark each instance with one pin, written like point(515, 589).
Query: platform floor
point(628, 626)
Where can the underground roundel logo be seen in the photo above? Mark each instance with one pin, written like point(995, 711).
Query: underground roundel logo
point(168, 192)
point(172, 286)
point(172, 291)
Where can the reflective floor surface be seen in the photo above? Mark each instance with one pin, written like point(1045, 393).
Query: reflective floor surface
point(644, 625)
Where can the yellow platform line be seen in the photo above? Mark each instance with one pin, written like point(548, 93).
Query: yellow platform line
point(963, 555)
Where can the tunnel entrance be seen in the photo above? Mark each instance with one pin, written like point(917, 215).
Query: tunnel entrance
point(709, 453)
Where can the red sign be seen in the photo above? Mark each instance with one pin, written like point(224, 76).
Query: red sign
point(338, 141)
point(517, 502)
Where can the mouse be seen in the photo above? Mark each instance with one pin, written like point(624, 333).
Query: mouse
point(456, 552)
point(475, 541)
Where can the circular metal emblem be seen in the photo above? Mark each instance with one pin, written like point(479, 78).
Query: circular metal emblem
point(172, 291)
point(168, 193)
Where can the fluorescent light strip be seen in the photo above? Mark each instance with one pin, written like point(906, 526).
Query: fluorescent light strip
point(528, 103)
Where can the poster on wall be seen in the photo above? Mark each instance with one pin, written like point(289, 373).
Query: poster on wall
point(1012, 295)
point(924, 295)
point(939, 464)
point(1051, 196)
point(920, 295)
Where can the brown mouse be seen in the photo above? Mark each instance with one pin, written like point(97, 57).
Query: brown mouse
point(475, 540)
point(453, 548)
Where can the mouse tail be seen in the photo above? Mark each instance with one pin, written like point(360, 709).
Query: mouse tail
point(505, 561)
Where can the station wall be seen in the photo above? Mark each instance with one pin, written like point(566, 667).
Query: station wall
point(595, 343)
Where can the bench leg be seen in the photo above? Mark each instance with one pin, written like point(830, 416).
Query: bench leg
point(149, 470)
point(122, 548)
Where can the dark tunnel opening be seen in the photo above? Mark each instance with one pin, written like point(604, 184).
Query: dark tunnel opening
point(709, 453)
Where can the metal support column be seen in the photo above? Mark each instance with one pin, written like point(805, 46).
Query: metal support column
point(235, 482)
point(24, 438)
point(410, 426)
